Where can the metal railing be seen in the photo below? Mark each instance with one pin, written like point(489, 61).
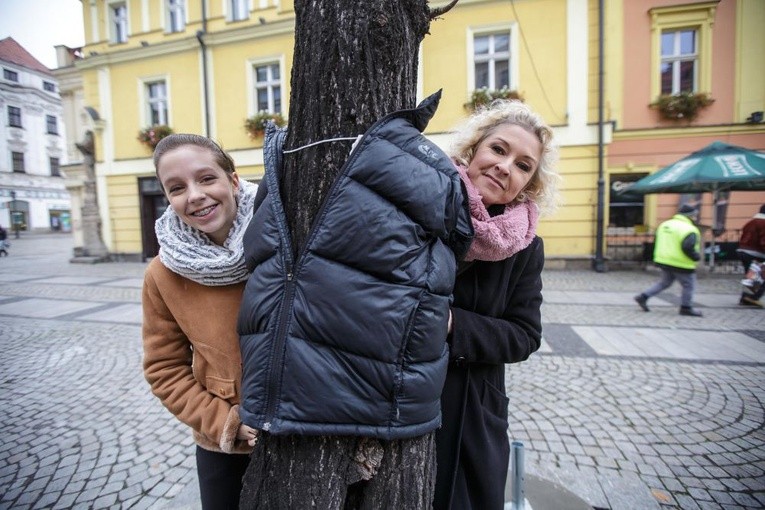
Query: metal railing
point(628, 249)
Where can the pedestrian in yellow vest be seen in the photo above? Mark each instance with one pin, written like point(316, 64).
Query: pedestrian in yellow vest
point(676, 251)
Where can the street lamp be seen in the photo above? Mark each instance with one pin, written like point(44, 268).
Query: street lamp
point(14, 223)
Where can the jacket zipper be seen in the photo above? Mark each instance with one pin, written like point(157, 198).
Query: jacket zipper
point(275, 370)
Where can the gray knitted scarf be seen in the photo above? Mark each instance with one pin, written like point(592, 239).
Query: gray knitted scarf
point(190, 253)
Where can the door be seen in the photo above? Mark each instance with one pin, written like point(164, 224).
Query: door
point(153, 204)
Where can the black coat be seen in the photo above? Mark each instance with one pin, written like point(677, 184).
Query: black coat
point(497, 320)
point(348, 338)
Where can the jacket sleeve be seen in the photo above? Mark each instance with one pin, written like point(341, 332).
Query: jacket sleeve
point(167, 367)
point(689, 247)
point(514, 335)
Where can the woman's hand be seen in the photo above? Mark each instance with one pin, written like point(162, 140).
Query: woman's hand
point(248, 434)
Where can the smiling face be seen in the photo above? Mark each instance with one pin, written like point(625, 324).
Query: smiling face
point(504, 163)
point(201, 193)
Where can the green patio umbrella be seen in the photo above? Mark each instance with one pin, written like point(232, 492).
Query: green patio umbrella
point(717, 167)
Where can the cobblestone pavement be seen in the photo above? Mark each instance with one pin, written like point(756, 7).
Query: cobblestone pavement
point(627, 409)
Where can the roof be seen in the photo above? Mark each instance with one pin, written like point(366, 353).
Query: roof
point(14, 53)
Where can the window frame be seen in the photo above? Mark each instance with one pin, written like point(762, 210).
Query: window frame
point(699, 17)
point(677, 58)
point(253, 85)
point(49, 86)
point(10, 75)
point(511, 29)
point(51, 121)
point(147, 101)
point(119, 26)
point(17, 163)
point(16, 114)
point(54, 164)
point(235, 7)
point(175, 24)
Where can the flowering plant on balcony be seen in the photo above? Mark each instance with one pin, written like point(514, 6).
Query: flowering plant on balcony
point(256, 125)
point(484, 96)
point(684, 105)
point(151, 135)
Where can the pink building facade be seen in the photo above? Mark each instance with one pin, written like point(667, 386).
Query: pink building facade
point(677, 46)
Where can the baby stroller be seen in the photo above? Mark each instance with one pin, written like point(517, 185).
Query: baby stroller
point(753, 283)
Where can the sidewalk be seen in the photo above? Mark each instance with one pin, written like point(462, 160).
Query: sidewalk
point(626, 409)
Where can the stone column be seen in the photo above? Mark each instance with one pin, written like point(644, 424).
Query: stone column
point(93, 248)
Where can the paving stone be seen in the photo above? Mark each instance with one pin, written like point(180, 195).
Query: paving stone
point(686, 502)
point(47, 500)
point(87, 496)
point(745, 499)
point(105, 501)
point(65, 501)
point(28, 497)
point(721, 497)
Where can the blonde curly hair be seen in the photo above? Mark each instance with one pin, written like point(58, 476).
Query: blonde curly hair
point(542, 189)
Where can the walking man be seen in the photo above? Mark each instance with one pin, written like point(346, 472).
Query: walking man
point(676, 251)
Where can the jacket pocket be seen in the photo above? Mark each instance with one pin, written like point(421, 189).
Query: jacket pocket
point(494, 401)
point(223, 388)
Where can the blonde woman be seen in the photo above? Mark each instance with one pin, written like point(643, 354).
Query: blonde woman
point(505, 156)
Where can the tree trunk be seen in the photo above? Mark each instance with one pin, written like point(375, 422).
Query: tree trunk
point(340, 473)
point(354, 63)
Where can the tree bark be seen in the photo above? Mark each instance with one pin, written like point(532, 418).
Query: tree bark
point(354, 62)
point(335, 473)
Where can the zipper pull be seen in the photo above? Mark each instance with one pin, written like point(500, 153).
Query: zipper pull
point(289, 276)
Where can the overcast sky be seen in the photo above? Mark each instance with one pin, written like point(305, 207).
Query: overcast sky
point(40, 25)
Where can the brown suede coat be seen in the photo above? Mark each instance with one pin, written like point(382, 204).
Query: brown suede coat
point(191, 354)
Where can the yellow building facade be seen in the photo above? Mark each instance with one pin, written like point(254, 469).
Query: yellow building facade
point(204, 66)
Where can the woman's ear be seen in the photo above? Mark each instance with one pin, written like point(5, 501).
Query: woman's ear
point(235, 181)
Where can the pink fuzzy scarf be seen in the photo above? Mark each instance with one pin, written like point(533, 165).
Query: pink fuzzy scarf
point(498, 237)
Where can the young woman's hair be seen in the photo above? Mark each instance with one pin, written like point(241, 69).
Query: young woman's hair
point(172, 142)
point(542, 189)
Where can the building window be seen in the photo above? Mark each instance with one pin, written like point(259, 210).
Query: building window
point(268, 88)
point(625, 209)
point(14, 116)
point(239, 9)
point(10, 75)
point(681, 48)
point(491, 60)
point(49, 86)
point(119, 22)
point(18, 162)
point(51, 124)
point(55, 168)
point(156, 94)
point(679, 61)
point(176, 15)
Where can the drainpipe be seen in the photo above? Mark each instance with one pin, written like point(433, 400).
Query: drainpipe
point(599, 264)
point(203, 47)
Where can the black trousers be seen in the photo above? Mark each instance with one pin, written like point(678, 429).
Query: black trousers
point(220, 478)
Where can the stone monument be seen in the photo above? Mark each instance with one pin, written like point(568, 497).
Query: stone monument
point(93, 248)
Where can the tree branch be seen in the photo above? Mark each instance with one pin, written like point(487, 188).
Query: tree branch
point(438, 11)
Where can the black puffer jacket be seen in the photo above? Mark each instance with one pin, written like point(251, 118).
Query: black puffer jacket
point(350, 338)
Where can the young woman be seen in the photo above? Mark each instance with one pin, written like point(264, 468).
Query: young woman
point(505, 156)
point(191, 298)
